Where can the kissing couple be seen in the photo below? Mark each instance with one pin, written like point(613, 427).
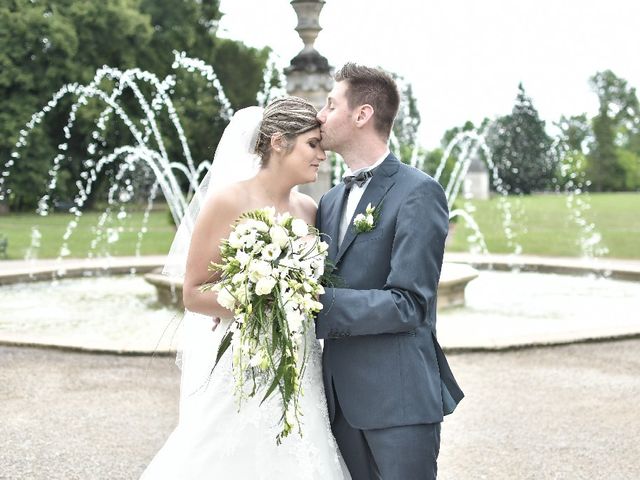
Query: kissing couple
point(373, 396)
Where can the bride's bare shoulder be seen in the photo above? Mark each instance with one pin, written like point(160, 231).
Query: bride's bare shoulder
point(226, 203)
point(306, 208)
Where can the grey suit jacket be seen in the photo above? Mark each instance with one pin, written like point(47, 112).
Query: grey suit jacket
point(381, 357)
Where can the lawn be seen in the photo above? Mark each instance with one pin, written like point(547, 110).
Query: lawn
point(542, 224)
point(18, 230)
point(545, 225)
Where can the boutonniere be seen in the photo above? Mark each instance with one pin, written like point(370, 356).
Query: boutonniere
point(367, 221)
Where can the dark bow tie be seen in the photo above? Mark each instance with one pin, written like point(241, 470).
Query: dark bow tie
point(360, 179)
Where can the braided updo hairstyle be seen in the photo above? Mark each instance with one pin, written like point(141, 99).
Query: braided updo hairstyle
point(288, 116)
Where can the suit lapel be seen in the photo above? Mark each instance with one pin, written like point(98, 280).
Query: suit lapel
point(380, 183)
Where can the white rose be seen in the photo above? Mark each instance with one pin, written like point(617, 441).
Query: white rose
point(271, 252)
point(322, 247)
point(318, 269)
point(359, 218)
point(265, 285)
point(243, 258)
point(258, 225)
point(234, 240)
point(295, 319)
point(225, 299)
point(306, 268)
point(242, 228)
point(239, 277)
point(299, 227)
point(249, 239)
point(279, 236)
point(259, 269)
point(288, 262)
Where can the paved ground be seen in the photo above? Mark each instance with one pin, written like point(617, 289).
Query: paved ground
point(568, 412)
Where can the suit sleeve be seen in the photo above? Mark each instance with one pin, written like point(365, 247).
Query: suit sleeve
point(412, 283)
point(317, 225)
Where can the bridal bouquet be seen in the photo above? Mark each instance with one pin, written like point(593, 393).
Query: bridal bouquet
point(270, 279)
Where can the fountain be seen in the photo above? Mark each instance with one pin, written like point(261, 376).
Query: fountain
point(149, 156)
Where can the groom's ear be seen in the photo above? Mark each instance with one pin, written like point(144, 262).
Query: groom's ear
point(364, 114)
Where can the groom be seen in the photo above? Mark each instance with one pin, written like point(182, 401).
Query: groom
point(387, 381)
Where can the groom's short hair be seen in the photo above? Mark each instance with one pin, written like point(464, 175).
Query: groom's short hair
point(374, 87)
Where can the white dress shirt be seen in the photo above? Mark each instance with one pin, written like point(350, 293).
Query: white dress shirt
point(355, 194)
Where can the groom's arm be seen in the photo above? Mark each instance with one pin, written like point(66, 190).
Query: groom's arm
point(317, 224)
point(412, 283)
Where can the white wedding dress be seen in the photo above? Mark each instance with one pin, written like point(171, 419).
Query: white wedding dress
point(215, 440)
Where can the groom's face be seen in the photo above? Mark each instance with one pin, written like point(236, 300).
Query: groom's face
point(336, 119)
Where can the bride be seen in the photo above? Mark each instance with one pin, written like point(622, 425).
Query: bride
point(262, 156)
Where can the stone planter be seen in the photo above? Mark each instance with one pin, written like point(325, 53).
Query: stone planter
point(169, 289)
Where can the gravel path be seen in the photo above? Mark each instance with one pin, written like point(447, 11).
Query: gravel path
point(569, 412)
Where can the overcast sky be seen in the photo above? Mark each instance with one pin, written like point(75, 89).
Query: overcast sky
point(463, 57)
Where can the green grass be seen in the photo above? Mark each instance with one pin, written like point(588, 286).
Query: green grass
point(543, 225)
point(18, 227)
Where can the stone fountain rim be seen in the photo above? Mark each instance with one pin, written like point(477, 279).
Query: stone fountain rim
point(23, 271)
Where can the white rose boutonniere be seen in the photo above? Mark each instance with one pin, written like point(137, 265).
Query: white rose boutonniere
point(367, 221)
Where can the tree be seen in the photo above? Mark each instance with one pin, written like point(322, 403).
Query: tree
point(575, 132)
point(66, 41)
point(521, 148)
point(616, 127)
point(57, 52)
point(575, 139)
point(407, 122)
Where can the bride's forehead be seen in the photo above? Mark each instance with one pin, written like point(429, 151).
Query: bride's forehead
point(311, 134)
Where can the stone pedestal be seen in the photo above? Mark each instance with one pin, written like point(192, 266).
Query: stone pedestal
point(310, 76)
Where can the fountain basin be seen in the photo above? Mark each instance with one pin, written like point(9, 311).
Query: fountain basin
point(453, 281)
point(502, 310)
